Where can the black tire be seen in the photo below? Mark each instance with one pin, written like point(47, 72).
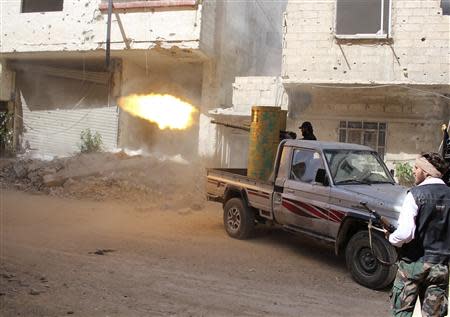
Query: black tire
point(238, 219)
point(364, 266)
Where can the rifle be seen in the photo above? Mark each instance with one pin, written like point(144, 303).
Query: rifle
point(380, 220)
point(384, 224)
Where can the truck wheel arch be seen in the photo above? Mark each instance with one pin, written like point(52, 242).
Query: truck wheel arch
point(234, 192)
point(348, 228)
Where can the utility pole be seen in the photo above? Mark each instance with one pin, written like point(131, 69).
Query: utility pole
point(108, 35)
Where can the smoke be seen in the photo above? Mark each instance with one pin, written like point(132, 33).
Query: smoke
point(182, 80)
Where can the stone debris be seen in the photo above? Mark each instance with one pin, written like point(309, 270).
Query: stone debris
point(163, 184)
point(34, 292)
point(102, 251)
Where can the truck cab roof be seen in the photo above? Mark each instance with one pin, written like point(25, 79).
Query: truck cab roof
point(325, 145)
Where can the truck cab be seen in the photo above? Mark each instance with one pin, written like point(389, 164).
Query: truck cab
point(318, 184)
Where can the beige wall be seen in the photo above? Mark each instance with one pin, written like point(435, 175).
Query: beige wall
point(414, 63)
point(7, 78)
point(242, 38)
point(417, 53)
point(232, 144)
point(413, 120)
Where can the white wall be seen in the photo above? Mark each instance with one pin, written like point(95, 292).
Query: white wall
point(82, 26)
point(417, 54)
point(258, 91)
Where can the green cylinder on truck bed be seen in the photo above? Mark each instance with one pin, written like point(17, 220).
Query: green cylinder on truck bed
point(264, 139)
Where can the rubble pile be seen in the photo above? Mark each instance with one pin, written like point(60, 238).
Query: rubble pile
point(168, 183)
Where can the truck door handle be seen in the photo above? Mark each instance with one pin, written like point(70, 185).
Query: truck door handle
point(289, 191)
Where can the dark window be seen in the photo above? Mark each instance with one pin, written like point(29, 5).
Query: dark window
point(372, 134)
point(3, 106)
point(363, 18)
point(445, 5)
point(41, 5)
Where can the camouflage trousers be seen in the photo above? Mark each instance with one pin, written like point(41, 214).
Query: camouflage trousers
point(427, 281)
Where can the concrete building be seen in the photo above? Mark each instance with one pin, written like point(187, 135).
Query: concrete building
point(369, 72)
point(54, 79)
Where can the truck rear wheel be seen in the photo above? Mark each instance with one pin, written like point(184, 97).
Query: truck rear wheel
point(364, 267)
point(238, 219)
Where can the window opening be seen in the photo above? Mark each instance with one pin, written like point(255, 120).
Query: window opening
point(41, 5)
point(372, 134)
point(363, 19)
point(305, 164)
point(445, 5)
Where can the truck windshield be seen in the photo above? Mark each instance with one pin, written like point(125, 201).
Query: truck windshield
point(356, 167)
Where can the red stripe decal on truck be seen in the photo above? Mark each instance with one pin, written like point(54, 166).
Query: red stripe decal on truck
point(308, 210)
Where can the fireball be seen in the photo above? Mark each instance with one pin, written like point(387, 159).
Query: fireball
point(167, 111)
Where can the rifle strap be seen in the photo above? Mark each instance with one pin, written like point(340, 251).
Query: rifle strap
point(370, 227)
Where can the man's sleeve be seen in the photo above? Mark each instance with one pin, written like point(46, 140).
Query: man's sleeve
point(406, 222)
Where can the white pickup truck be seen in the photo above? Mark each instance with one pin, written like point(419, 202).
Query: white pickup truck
point(317, 189)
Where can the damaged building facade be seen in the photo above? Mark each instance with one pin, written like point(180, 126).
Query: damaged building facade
point(372, 72)
point(55, 82)
point(367, 72)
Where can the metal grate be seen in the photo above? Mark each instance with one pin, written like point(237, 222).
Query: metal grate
point(372, 134)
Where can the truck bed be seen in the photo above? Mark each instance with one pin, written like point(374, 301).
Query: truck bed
point(259, 193)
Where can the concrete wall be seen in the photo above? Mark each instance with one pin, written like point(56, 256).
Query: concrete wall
point(418, 51)
point(232, 144)
point(81, 26)
point(258, 91)
point(244, 39)
point(414, 62)
point(413, 119)
point(6, 82)
point(228, 38)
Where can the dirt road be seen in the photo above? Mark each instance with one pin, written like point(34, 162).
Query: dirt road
point(162, 263)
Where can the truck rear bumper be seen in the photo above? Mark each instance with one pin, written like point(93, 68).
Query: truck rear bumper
point(212, 197)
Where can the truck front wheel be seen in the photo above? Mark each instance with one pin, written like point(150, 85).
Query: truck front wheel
point(238, 219)
point(364, 266)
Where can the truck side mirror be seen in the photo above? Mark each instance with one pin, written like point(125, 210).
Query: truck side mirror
point(321, 177)
point(392, 172)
